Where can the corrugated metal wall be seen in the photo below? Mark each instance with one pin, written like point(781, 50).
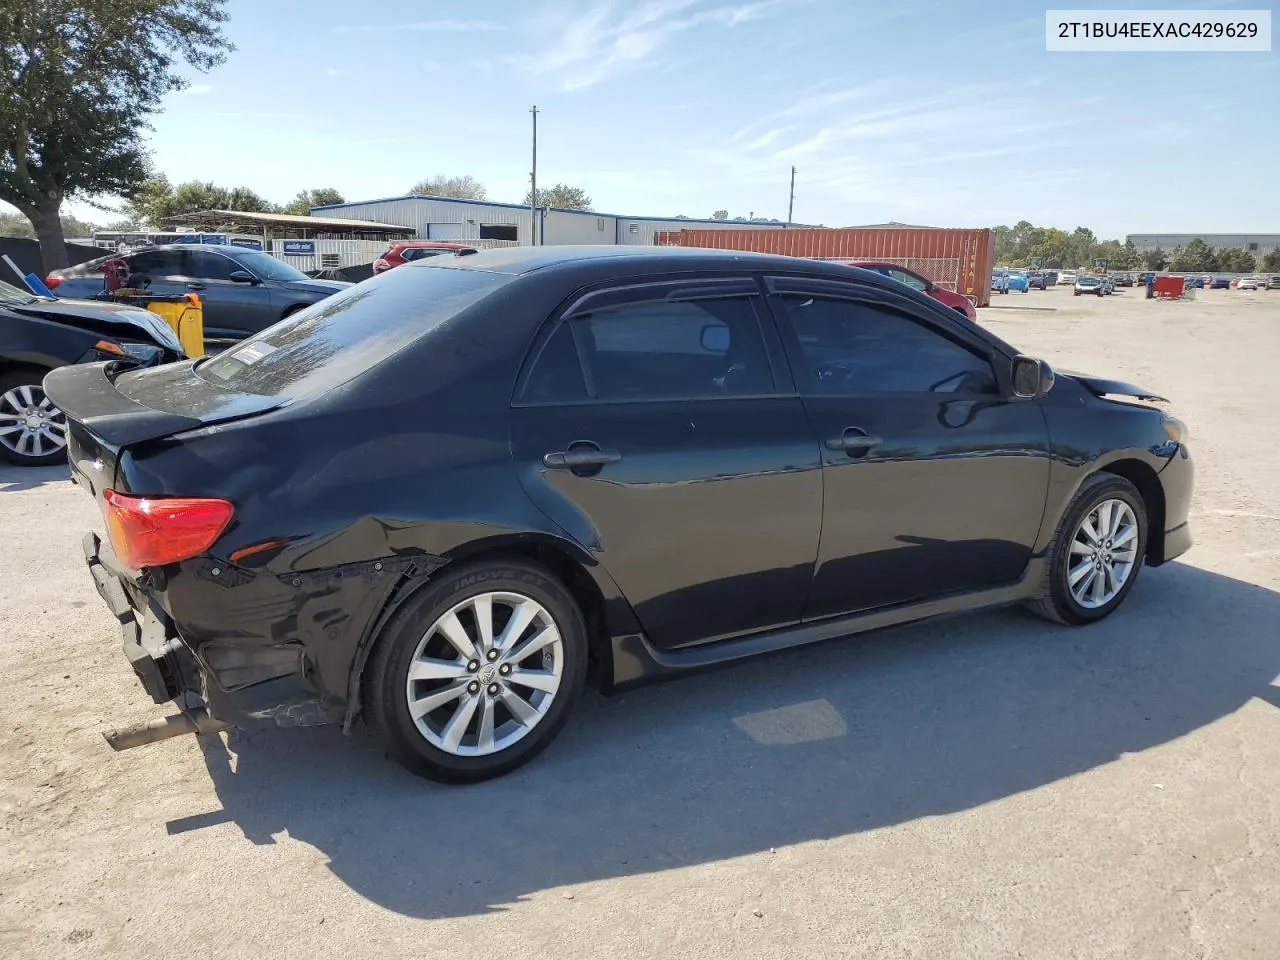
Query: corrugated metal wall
point(437, 219)
point(972, 250)
point(644, 232)
point(571, 226)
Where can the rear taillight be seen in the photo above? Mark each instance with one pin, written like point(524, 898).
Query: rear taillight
point(153, 531)
point(51, 281)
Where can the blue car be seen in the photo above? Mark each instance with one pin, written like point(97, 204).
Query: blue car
point(1019, 281)
point(1000, 281)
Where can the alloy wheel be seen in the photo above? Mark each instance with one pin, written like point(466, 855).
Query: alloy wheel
point(485, 674)
point(1103, 553)
point(30, 425)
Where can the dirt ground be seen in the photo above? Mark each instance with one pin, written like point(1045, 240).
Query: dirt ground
point(992, 786)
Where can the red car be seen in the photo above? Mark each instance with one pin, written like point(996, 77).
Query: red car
point(406, 250)
point(944, 296)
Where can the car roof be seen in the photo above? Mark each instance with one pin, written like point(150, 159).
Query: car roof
point(518, 261)
point(432, 244)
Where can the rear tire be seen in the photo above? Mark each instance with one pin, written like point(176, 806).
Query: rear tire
point(33, 432)
point(456, 702)
point(1075, 561)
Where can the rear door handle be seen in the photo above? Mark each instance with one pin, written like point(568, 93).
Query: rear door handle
point(579, 457)
point(196, 286)
point(854, 442)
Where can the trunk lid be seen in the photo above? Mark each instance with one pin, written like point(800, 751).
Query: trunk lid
point(111, 406)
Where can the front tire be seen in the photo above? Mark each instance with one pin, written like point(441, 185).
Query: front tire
point(1096, 554)
point(33, 432)
point(476, 674)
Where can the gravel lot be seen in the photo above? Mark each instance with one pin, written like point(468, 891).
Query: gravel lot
point(982, 787)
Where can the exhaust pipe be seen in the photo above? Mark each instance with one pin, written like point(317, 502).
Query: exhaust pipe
point(163, 728)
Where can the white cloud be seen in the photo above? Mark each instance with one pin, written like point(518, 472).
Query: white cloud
point(423, 26)
point(196, 89)
point(611, 38)
point(334, 72)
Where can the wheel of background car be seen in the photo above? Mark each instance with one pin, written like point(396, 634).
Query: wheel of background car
point(33, 432)
point(1097, 552)
point(478, 672)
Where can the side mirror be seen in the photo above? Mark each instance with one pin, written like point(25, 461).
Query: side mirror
point(243, 276)
point(715, 338)
point(1030, 378)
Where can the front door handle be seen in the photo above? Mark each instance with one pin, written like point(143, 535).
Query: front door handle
point(576, 458)
point(854, 442)
point(196, 286)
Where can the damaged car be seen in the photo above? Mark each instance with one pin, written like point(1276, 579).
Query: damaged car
point(448, 498)
point(38, 334)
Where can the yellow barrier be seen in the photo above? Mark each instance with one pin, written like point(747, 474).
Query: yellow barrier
point(186, 317)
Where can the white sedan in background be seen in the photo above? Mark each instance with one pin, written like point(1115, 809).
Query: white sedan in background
point(1252, 283)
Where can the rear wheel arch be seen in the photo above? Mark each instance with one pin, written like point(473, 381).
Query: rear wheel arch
point(292, 309)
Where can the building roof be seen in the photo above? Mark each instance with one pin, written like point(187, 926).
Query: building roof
point(525, 206)
point(286, 222)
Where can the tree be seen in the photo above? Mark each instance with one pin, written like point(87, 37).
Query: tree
point(1271, 262)
point(306, 199)
point(463, 188)
point(1195, 256)
point(1155, 259)
point(1236, 260)
point(16, 225)
point(82, 80)
point(562, 196)
point(720, 215)
point(156, 201)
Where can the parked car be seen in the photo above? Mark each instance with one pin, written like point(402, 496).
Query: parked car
point(1124, 279)
point(38, 334)
point(1108, 284)
point(1089, 283)
point(457, 574)
point(1000, 281)
point(1037, 279)
point(407, 251)
point(1019, 281)
point(241, 291)
point(1220, 283)
point(1052, 276)
point(949, 298)
point(1273, 282)
point(1196, 281)
point(1144, 279)
point(1252, 283)
point(1067, 276)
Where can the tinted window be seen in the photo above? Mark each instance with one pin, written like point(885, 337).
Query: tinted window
point(267, 267)
point(675, 349)
point(910, 279)
point(343, 336)
point(210, 266)
point(160, 263)
point(850, 347)
point(421, 253)
point(556, 375)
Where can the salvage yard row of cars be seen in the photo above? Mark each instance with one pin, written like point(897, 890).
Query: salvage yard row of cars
point(430, 500)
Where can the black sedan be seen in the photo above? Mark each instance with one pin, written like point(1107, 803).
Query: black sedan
point(241, 291)
point(447, 498)
point(38, 334)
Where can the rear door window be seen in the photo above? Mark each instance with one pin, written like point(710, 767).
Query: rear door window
point(210, 266)
point(325, 345)
point(159, 263)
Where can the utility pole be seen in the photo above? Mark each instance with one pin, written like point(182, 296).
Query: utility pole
point(533, 183)
point(792, 202)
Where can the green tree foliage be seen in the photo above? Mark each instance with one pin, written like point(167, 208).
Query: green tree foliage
point(1271, 262)
point(463, 188)
point(720, 215)
point(561, 196)
point(1196, 256)
point(1155, 259)
point(82, 78)
point(1236, 260)
point(157, 201)
point(306, 199)
point(16, 225)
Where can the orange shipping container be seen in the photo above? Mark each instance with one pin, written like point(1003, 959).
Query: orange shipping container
point(959, 260)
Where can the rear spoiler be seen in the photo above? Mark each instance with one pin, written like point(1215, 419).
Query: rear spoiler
point(87, 394)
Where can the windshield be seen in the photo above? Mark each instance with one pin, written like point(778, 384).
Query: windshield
point(267, 267)
point(11, 294)
point(343, 336)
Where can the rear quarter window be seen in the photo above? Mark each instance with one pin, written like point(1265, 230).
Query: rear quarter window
point(339, 338)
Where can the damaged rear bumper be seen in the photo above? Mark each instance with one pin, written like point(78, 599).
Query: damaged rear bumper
point(241, 685)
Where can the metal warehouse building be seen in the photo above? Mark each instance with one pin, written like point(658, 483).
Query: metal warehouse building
point(448, 218)
point(1258, 244)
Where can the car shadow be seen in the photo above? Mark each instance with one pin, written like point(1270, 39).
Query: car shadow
point(1014, 306)
point(14, 479)
point(813, 743)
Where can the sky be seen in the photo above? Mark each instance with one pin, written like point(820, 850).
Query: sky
point(939, 113)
